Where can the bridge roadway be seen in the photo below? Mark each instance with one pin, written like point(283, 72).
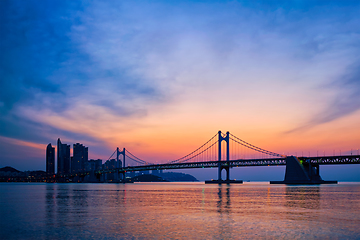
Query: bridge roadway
point(325, 160)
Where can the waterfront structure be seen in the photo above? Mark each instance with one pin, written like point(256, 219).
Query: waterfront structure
point(157, 172)
point(299, 170)
point(111, 176)
point(63, 158)
point(93, 165)
point(111, 164)
point(50, 159)
point(79, 159)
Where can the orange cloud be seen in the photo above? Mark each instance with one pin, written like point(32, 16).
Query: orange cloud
point(24, 143)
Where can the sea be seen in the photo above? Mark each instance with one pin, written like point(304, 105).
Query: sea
point(253, 210)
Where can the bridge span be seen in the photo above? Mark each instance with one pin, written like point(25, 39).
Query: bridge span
point(326, 160)
point(226, 151)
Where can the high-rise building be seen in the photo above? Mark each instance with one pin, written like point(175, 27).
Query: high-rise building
point(79, 159)
point(63, 158)
point(110, 164)
point(94, 165)
point(50, 159)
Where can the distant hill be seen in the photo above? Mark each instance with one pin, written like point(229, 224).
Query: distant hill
point(165, 177)
point(9, 169)
point(177, 177)
point(11, 172)
point(147, 178)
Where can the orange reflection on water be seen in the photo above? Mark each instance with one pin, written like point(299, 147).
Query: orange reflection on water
point(181, 211)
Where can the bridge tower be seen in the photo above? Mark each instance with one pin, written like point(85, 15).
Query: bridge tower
point(225, 166)
point(118, 152)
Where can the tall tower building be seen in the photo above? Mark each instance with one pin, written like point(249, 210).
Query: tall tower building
point(79, 159)
point(63, 158)
point(50, 159)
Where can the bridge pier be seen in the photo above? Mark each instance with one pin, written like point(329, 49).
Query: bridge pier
point(227, 173)
point(123, 173)
point(123, 177)
point(224, 164)
point(299, 172)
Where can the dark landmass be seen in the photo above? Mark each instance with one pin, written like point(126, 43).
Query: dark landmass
point(147, 178)
point(165, 177)
point(177, 177)
point(9, 169)
point(10, 174)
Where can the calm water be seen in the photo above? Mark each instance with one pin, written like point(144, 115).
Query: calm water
point(179, 211)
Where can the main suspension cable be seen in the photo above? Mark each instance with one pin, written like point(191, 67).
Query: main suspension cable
point(184, 157)
point(248, 145)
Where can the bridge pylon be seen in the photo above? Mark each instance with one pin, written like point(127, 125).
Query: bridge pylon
point(221, 166)
point(118, 152)
point(224, 164)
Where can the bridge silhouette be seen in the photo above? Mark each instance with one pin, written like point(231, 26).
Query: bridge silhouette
point(225, 151)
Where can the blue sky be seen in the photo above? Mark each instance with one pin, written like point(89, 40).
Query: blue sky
point(159, 76)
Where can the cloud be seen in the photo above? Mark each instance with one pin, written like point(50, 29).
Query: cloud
point(40, 59)
point(345, 102)
point(348, 100)
point(90, 70)
point(23, 143)
point(44, 69)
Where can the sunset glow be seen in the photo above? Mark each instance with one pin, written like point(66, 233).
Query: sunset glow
point(161, 78)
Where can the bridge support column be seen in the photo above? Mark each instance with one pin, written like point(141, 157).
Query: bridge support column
point(123, 177)
point(123, 173)
point(219, 157)
point(301, 172)
point(224, 164)
point(227, 173)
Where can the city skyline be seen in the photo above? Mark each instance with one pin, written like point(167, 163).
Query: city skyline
point(161, 78)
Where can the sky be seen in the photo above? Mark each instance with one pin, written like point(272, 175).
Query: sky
point(161, 77)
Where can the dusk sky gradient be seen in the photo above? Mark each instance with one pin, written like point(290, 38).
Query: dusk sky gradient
point(161, 77)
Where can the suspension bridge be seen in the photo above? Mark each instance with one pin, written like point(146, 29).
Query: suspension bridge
point(225, 151)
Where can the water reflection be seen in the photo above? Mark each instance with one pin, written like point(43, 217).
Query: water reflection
point(79, 207)
point(302, 197)
point(223, 203)
point(224, 209)
point(164, 211)
point(62, 205)
point(50, 203)
point(65, 205)
point(302, 203)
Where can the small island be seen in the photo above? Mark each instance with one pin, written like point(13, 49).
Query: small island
point(164, 177)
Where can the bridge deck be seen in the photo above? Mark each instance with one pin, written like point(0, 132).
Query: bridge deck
point(330, 160)
point(325, 160)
